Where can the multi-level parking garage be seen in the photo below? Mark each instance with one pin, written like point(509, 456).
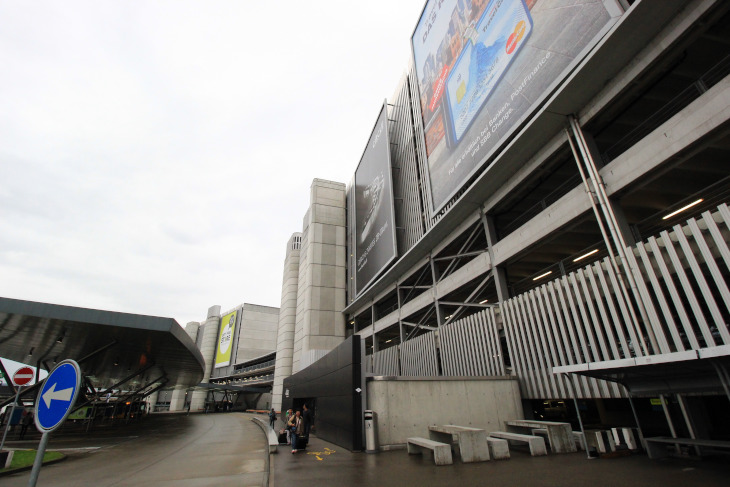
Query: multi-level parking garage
point(587, 251)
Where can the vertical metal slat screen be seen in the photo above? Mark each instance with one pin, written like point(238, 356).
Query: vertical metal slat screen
point(418, 356)
point(583, 317)
point(470, 346)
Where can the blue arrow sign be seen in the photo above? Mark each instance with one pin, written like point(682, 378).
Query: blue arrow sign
point(57, 396)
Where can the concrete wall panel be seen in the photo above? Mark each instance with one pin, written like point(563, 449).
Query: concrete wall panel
point(407, 407)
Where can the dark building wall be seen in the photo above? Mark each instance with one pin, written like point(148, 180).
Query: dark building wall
point(329, 386)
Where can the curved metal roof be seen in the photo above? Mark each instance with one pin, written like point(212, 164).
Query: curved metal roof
point(109, 346)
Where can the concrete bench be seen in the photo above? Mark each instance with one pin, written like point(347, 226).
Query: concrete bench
point(600, 440)
point(536, 444)
point(657, 447)
point(498, 448)
point(560, 435)
point(471, 442)
point(625, 436)
point(441, 451)
point(580, 442)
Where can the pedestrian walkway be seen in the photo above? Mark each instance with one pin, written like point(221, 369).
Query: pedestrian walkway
point(205, 450)
point(199, 450)
point(325, 464)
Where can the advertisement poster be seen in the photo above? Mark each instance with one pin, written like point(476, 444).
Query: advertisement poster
point(225, 340)
point(483, 66)
point(374, 232)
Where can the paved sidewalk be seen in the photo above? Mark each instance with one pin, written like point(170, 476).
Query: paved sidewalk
point(325, 464)
point(199, 450)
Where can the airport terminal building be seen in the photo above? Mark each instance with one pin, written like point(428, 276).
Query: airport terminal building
point(539, 216)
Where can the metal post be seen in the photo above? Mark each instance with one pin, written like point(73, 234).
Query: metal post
point(721, 373)
point(636, 418)
point(688, 421)
point(38, 460)
point(669, 421)
point(12, 410)
point(580, 420)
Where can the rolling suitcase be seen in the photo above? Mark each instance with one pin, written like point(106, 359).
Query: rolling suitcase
point(282, 437)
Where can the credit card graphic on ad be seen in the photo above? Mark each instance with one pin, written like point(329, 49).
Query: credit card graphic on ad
point(491, 46)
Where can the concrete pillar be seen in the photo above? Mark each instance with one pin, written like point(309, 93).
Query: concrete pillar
point(151, 401)
point(287, 319)
point(320, 324)
point(177, 401)
point(207, 349)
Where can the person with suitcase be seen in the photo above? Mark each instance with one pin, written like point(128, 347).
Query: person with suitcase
point(296, 426)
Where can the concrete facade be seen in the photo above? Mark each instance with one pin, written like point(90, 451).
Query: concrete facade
point(258, 330)
point(320, 324)
point(287, 318)
point(407, 407)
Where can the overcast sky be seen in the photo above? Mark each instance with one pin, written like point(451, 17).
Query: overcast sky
point(156, 156)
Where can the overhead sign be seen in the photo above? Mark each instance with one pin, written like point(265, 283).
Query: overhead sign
point(57, 396)
point(484, 67)
point(374, 225)
point(225, 340)
point(23, 376)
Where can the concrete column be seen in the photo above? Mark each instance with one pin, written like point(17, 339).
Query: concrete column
point(179, 396)
point(151, 401)
point(207, 348)
point(500, 278)
point(287, 319)
point(320, 324)
point(177, 401)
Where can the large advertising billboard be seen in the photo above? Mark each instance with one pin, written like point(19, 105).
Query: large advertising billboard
point(225, 340)
point(374, 231)
point(484, 66)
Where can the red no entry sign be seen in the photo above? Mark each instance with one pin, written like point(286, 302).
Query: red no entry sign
point(22, 376)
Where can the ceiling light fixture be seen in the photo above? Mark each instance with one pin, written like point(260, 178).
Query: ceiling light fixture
point(683, 208)
point(542, 275)
point(585, 255)
point(484, 301)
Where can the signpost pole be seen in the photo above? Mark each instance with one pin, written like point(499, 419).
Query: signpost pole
point(10, 416)
point(53, 405)
point(38, 460)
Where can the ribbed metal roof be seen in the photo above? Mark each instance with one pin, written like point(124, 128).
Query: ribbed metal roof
point(109, 346)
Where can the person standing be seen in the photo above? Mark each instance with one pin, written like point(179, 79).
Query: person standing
point(25, 422)
point(289, 414)
point(295, 426)
point(272, 418)
point(307, 419)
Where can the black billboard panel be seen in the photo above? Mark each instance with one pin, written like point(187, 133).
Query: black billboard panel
point(484, 66)
point(374, 230)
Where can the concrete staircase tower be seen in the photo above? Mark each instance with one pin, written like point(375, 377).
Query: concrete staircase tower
point(287, 319)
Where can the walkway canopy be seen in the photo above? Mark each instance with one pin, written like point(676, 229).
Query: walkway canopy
point(690, 371)
point(116, 351)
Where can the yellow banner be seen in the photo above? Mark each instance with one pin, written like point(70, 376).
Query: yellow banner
point(225, 340)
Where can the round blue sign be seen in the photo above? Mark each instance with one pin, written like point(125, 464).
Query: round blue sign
point(57, 396)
